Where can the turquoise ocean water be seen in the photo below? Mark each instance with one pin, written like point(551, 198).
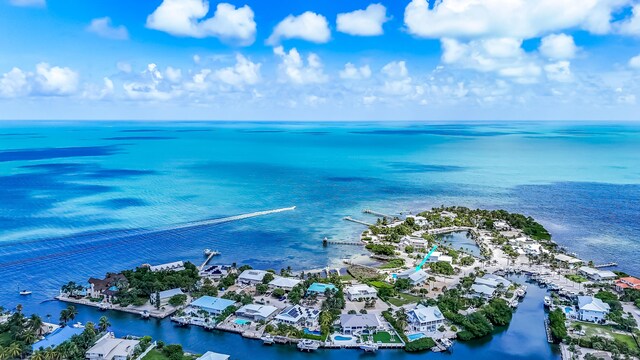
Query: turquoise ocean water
point(80, 199)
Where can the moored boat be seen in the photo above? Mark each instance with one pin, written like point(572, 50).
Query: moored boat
point(25, 292)
point(547, 301)
point(267, 339)
point(308, 345)
point(369, 346)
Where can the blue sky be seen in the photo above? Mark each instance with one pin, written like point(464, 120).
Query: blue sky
point(320, 59)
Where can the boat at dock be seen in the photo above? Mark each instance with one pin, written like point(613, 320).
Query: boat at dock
point(267, 339)
point(369, 346)
point(104, 306)
point(308, 345)
point(145, 314)
point(209, 252)
point(547, 301)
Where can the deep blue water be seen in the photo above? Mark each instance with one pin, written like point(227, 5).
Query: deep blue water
point(81, 199)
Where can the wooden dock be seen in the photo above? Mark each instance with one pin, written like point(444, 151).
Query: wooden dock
point(326, 242)
point(349, 218)
point(371, 212)
point(611, 264)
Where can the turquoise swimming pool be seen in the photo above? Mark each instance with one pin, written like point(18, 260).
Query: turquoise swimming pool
point(416, 336)
point(342, 338)
point(242, 322)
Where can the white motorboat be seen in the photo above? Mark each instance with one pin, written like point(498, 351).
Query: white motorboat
point(308, 345)
point(547, 301)
point(25, 292)
point(267, 339)
point(369, 346)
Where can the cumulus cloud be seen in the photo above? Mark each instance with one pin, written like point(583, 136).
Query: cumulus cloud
point(94, 92)
point(244, 72)
point(634, 62)
point(503, 56)
point(294, 70)
point(174, 75)
point(308, 26)
point(397, 81)
point(28, 3)
point(351, 72)
point(104, 28)
point(47, 80)
point(124, 67)
point(558, 46)
point(187, 18)
point(507, 18)
point(14, 83)
point(631, 26)
point(367, 22)
point(150, 85)
point(559, 71)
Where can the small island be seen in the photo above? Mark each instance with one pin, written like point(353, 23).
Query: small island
point(443, 275)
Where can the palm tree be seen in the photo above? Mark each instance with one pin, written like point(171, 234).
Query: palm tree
point(29, 336)
point(35, 324)
point(103, 324)
point(38, 355)
point(64, 316)
point(73, 312)
point(3, 353)
point(14, 351)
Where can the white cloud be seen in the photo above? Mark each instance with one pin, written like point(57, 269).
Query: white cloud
point(186, 18)
point(103, 27)
point(56, 80)
point(559, 71)
point(558, 46)
point(150, 85)
point(397, 81)
point(174, 75)
point(366, 22)
point(244, 72)
point(28, 3)
point(507, 18)
point(308, 26)
point(634, 62)
point(294, 70)
point(124, 67)
point(351, 72)
point(94, 92)
point(14, 83)
point(503, 56)
point(631, 26)
point(196, 59)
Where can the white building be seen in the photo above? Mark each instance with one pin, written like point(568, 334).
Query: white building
point(425, 318)
point(592, 309)
point(210, 355)
point(568, 260)
point(501, 225)
point(418, 244)
point(173, 266)
point(437, 256)
point(164, 296)
point(215, 272)
point(354, 323)
point(485, 291)
point(416, 277)
point(448, 214)
point(251, 277)
point(110, 348)
point(361, 291)
point(284, 283)
point(597, 275)
point(298, 315)
point(487, 285)
point(420, 220)
point(213, 305)
point(256, 312)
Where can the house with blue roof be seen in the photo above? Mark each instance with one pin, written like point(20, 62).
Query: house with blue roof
point(57, 337)
point(213, 305)
point(320, 288)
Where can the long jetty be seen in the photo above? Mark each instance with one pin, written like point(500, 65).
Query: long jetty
point(349, 218)
point(326, 242)
point(371, 212)
point(611, 264)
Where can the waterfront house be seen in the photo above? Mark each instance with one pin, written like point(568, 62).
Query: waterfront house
point(487, 285)
point(172, 266)
point(164, 296)
point(57, 337)
point(320, 288)
point(107, 287)
point(361, 291)
point(628, 282)
point(251, 277)
point(485, 291)
point(448, 214)
point(425, 318)
point(437, 256)
point(501, 225)
point(210, 355)
point(596, 274)
point(592, 309)
point(284, 283)
point(415, 277)
point(215, 272)
point(354, 323)
point(256, 312)
point(419, 220)
point(213, 305)
point(568, 260)
point(111, 348)
point(298, 315)
point(418, 244)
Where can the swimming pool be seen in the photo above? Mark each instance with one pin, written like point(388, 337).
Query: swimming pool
point(242, 322)
point(416, 336)
point(310, 332)
point(568, 309)
point(342, 338)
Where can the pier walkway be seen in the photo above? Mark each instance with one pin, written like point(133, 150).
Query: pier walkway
point(371, 212)
point(611, 264)
point(349, 218)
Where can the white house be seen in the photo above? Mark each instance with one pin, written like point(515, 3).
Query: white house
point(353, 323)
point(284, 283)
point(361, 291)
point(487, 285)
point(416, 277)
point(210, 355)
point(251, 277)
point(418, 244)
point(568, 260)
point(597, 275)
point(425, 318)
point(173, 266)
point(213, 305)
point(480, 290)
point(164, 296)
point(592, 309)
point(110, 348)
point(448, 214)
point(298, 315)
point(256, 312)
point(437, 256)
point(501, 225)
point(420, 220)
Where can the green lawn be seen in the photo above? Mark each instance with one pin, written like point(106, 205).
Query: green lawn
point(156, 354)
point(607, 331)
point(576, 278)
point(404, 299)
point(383, 337)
